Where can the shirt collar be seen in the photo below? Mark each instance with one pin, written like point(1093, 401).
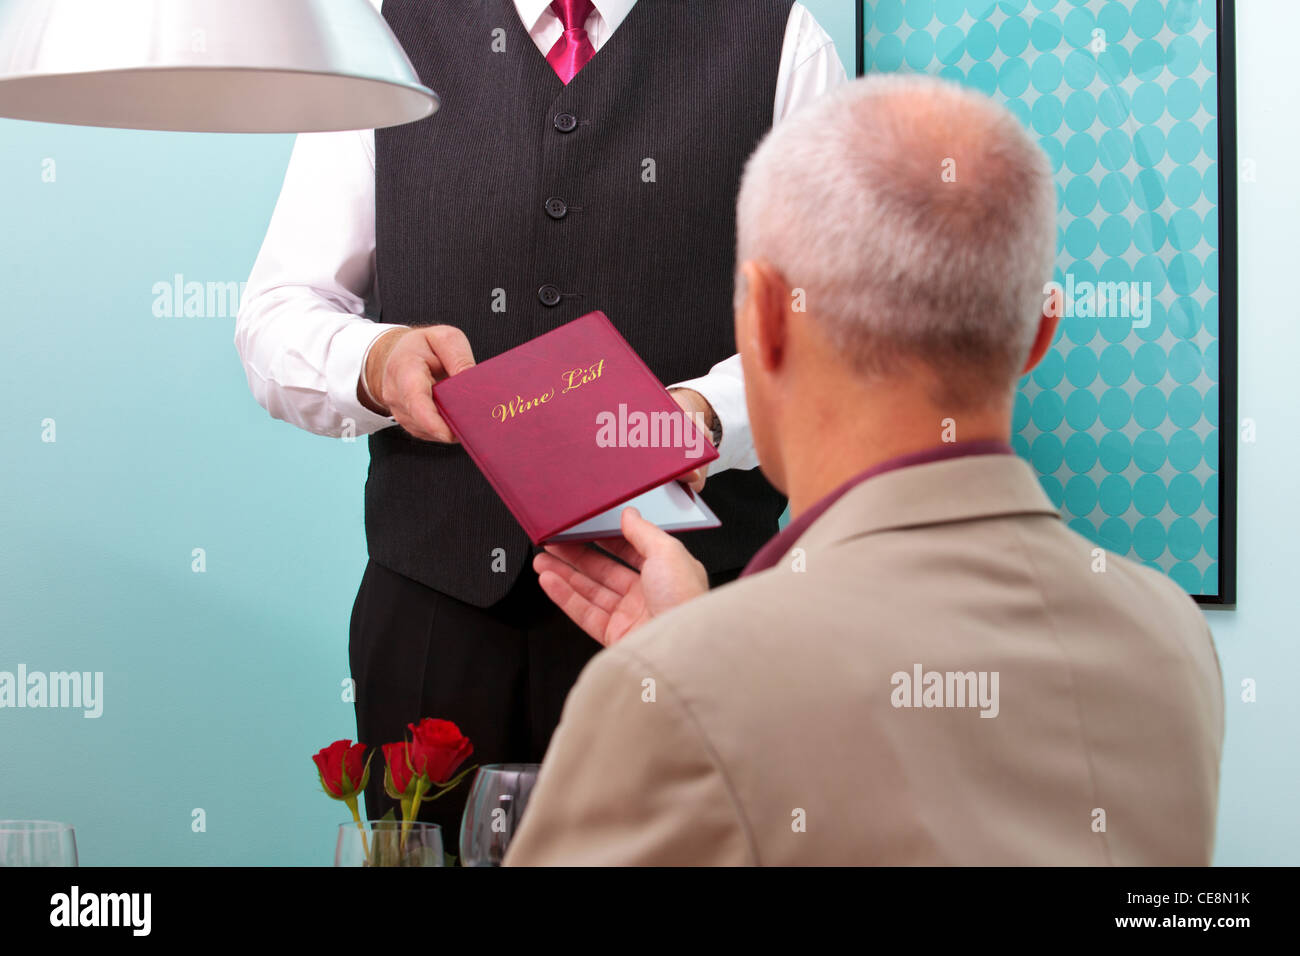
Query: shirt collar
point(771, 553)
point(613, 12)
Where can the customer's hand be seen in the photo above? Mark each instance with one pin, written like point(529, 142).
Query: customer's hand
point(609, 600)
point(403, 366)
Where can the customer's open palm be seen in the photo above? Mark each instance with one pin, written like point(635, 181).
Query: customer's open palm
point(608, 599)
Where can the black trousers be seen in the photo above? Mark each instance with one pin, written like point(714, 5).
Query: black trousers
point(501, 673)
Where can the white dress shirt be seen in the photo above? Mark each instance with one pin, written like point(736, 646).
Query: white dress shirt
point(302, 333)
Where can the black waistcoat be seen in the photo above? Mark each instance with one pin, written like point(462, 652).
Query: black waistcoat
point(616, 192)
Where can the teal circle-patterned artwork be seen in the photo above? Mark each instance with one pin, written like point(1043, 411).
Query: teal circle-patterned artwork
point(1121, 419)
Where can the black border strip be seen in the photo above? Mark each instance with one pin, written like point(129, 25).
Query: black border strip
point(1226, 81)
point(1226, 78)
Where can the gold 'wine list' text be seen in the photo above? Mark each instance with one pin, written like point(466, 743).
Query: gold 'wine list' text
point(570, 380)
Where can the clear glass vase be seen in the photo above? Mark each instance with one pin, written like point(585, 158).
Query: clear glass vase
point(389, 843)
point(37, 843)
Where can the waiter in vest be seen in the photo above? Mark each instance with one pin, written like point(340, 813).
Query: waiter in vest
point(587, 155)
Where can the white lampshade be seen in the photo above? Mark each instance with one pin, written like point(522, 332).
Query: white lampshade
point(225, 66)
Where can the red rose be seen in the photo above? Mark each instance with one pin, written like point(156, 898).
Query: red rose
point(437, 748)
point(399, 775)
point(343, 771)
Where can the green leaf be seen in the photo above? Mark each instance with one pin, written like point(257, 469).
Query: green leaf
point(365, 775)
point(451, 784)
point(390, 788)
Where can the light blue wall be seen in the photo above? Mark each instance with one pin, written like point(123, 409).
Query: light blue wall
point(220, 685)
point(837, 17)
point(1260, 641)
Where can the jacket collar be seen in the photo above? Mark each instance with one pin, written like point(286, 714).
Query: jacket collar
point(943, 492)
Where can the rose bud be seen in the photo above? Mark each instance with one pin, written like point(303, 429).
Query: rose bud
point(344, 772)
point(399, 778)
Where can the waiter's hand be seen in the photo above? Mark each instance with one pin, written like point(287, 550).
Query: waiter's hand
point(401, 369)
point(609, 600)
point(701, 413)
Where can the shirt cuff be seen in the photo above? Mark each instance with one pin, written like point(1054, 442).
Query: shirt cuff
point(726, 394)
point(343, 366)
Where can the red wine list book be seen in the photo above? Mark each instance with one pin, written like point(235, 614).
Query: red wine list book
point(571, 427)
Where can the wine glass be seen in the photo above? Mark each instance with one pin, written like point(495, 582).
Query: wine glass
point(37, 843)
point(493, 811)
point(389, 843)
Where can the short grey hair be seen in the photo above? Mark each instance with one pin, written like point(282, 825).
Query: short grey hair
point(919, 220)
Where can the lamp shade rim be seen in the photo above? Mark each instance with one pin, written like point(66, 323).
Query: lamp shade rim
point(207, 65)
point(104, 95)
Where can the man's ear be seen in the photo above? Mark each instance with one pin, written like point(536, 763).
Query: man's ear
point(767, 315)
point(1047, 324)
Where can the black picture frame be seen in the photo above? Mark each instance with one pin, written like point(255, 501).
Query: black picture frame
point(1226, 84)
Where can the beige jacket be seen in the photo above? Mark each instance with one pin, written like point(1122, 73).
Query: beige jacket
point(764, 722)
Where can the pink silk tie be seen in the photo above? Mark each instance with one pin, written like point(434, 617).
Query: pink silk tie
point(573, 50)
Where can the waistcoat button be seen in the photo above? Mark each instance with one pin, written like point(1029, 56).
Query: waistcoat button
point(549, 295)
point(556, 208)
point(566, 122)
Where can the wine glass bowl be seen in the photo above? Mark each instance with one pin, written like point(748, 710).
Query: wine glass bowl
point(493, 811)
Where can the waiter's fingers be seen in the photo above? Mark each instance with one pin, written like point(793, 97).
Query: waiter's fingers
point(695, 479)
point(578, 609)
point(449, 350)
point(412, 402)
point(420, 358)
